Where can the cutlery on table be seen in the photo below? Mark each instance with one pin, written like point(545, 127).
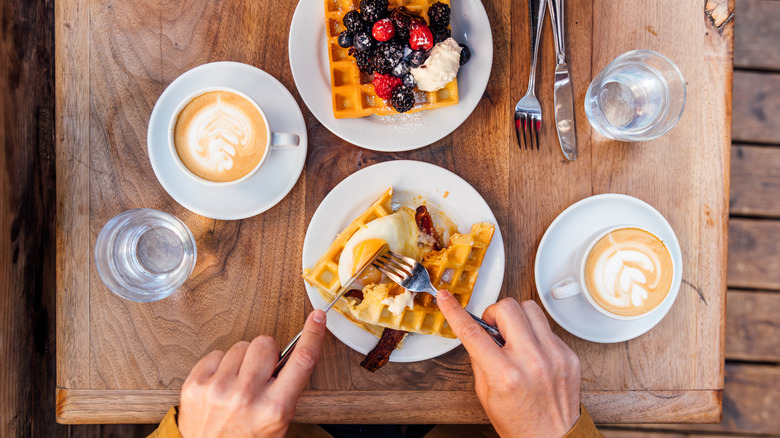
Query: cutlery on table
point(564, 96)
point(528, 111)
point(412, 276)
point(287, 350)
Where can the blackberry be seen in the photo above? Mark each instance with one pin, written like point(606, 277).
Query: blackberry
point(409, 81)
point(353, 22)
point(440, 33)
point(387, 56)
point(401, 69)
point(363, 41)
point(346, 39)
point(402, 100)
point(373, 10)
point(417, 58)
point(365, 61)
point(465, 54)
point(439, 14)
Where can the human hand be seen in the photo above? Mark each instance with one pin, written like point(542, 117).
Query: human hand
point(233, 394)
point(531, 386)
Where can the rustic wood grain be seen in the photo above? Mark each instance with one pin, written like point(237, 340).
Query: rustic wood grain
point(754, 255)
point(753, 326)
point(129, 359)
point(624, 433)
point(755, 181)
point(757, 107)
point(756, 34)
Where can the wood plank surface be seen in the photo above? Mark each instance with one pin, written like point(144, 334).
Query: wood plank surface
point(134, 49)
point(754, 255)
point(756, 34)
point(753, 326)
point(756, 113)
point(755, 180)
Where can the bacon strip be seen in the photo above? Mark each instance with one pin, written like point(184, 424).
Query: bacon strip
point(425, 224)
point(354, 293)
point(379, 356)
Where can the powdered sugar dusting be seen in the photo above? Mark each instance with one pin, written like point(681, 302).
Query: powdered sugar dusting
point(402, 122)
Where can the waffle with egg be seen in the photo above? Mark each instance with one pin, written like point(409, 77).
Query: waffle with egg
point(454, 269)
point(352, 91)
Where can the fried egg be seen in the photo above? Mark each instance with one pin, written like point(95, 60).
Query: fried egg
point(399, 230)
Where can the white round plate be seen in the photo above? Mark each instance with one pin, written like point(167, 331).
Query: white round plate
point(555, 257)
point(441, 189)
point(270, 184)
point(308, 53)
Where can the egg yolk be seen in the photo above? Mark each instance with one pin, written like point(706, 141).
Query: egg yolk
point(364, 251)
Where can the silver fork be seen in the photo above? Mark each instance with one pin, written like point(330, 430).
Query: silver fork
point(528, 111)
point(412, 276)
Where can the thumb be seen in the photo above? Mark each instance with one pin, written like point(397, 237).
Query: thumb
point(478, 343)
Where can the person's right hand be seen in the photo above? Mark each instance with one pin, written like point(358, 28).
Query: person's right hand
point(531, 386)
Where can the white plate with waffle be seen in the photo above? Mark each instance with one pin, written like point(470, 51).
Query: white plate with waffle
point(412, 181)
point(308, 53)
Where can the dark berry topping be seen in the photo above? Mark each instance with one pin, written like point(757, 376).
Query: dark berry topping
point(465, 54)
point(409, 81)
point(439, 14)
point(401, 69)
point(418, 58)
point(364, 61)
point(420, 37)
point(345, 39)
point(403, 19)
point(385, 84)
point(363, 41)
point(440, 33)
point(402, 99)
point(353, 22)
point(383, 30)
point(387, 56)
point(373, 10)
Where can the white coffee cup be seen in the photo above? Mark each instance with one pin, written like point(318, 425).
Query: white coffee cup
point(274, 140)
point(574, 284)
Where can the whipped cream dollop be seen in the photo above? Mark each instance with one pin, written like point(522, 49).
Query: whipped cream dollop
point(398, 303)
point(440, 68)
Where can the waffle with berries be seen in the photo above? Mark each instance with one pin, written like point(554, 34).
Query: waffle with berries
point(352, 91)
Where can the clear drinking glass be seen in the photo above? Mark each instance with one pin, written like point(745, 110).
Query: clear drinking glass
point(144, 254)
point(639, 96)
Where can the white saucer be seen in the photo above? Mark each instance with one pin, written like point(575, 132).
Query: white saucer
point(265, 188)
point(308, 52)
point(555, 255)
point(442, 190)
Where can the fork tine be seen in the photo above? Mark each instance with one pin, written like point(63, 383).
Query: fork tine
point(409, 261)
point(399, 268)
point(390, 274)
point(526, 131)
point(530, 132)
point(518, 123)
point(537, 127)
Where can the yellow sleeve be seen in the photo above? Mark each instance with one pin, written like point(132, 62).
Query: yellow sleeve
point(169, 427)
point(584, 427)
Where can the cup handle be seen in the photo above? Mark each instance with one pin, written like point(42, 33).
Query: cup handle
point(566, 288)
point(283, 140)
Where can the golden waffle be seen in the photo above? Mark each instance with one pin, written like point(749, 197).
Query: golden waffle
point(325, 273)
point(352, 91)
point(454, 268)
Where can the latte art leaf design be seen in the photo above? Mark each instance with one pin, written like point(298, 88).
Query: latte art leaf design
point(629, 276)
point(217, 133)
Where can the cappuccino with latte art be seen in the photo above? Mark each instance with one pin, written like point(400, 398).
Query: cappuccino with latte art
point(628, 272)
point(220, 136)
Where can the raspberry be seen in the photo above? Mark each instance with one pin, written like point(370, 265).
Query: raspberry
point(439, 14)
point(385, 84)
point(420, 37)
point(402, 99)
point(383, 30)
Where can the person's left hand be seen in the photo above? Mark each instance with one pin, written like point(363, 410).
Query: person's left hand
point(233, 394)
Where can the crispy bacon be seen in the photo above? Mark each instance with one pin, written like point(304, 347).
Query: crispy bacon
point(425, 224)
point(379, 356)
point(354, 293)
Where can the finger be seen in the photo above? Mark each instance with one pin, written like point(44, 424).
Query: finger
point(512, 321)
point(477, 342)
point(539, 323)
point(205, 368)
point(259, 361)
point(295, 374)
point(231, 363)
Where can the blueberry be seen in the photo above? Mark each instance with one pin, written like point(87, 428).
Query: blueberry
point(363, 41)
point(345, 39)
point(401, 69)
point(465, 54)
point(418, 58)
point(409, 81)
point(407, 52)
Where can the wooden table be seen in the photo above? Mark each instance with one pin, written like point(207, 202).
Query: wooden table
point(120, 361)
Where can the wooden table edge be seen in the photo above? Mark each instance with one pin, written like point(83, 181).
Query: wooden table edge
point(87, 406)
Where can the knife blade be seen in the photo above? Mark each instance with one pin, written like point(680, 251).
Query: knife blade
point(564, 95)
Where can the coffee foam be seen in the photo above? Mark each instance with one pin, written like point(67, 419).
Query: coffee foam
point(220, 136)
point(629, 272)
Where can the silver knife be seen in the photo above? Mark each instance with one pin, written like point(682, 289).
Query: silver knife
point(287, 350)
point(564, 96)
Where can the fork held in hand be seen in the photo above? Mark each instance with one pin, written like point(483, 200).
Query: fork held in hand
point(412, 276)
point(528, 111)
